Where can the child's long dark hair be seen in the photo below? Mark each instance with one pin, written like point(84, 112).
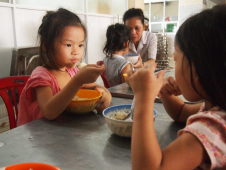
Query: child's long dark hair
point(202, 39)
point(116, 36)
point(52, 27)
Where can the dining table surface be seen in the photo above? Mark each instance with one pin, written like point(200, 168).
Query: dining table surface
point(79, 142)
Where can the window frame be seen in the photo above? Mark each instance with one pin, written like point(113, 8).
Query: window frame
point(163, 22)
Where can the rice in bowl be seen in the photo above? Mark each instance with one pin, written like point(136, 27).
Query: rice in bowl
point(118, 114)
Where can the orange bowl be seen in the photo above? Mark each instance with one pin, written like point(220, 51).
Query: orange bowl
point(33, 166)
point(87, 101)
point(126, 79)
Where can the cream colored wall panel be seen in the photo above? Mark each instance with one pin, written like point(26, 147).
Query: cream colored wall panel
point(97, 27)
point(27, 24)
point(6, 40)
point(191, 2)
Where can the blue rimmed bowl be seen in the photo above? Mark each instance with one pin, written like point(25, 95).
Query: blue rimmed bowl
point(120, 127)
point(133, 58)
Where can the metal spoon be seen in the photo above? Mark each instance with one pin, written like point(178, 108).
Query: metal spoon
point(130, 114)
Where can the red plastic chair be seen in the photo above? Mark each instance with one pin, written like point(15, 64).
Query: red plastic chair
point(106, 84)
point(8, 86)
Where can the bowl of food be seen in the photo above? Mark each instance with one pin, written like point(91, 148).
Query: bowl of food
point(113, 116)
point(29, 166)
point(126, 79)
point(84, 101)
point(133, 58)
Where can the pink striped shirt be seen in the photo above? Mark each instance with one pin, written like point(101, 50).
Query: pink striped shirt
point(28, 107)
point(210, 128)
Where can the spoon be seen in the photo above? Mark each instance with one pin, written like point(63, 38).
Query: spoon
point(130, 114)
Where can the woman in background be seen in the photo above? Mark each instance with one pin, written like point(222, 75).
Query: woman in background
point(143, 42)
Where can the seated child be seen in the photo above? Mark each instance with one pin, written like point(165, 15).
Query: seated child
point(51, 87)
point(117, 45)
point(200, 67)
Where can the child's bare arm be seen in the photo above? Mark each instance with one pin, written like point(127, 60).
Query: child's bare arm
point(52, 106)
point(124, 70)
point(186, 152)
point(175, 107)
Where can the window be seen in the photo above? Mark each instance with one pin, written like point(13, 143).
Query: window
point(162, 15)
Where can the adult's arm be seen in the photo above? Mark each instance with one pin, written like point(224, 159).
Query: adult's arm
point(150, 61)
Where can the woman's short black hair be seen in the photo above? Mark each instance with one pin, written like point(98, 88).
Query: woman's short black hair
point(52, 27)
point(116, 35)
point(202, 39)
point(133, 12)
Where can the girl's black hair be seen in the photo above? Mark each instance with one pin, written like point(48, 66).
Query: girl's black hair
point(52, 27)
point(116, 36)
point(202, 39)
point(133, 12)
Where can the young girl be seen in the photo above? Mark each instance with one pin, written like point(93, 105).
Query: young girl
point(51, 87)
point(117, 45)
point(200, 56)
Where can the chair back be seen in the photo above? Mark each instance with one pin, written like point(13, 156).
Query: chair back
point(10, 91)
point(106, 84)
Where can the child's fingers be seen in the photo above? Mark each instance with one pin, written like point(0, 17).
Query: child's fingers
point(169, 87)
point(165, 91)
point(173, 83)
point(161, 75)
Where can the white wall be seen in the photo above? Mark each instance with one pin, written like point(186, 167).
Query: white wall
point(6, 40)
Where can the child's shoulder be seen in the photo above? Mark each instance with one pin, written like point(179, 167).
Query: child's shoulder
point(39, 69)
point(42, 73)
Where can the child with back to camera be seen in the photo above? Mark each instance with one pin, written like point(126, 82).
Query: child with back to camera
point(200, 67)
point(51, 87)
point(117, 45)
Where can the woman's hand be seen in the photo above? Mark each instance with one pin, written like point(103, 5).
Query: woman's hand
point(144, 82)
point(90, 73)
point(105, 100)
point(169, 87)
point(139, 63)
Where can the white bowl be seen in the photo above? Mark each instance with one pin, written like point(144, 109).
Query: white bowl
point(120, 127)
point(133, 58)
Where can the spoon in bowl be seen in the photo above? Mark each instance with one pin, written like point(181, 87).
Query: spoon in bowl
point(129, 117)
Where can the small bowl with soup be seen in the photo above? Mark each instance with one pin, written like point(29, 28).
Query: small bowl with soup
point(84, 101)
point(113, 116)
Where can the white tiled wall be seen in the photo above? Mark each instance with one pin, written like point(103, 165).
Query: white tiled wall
point(185, 12)
point(188, 10)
